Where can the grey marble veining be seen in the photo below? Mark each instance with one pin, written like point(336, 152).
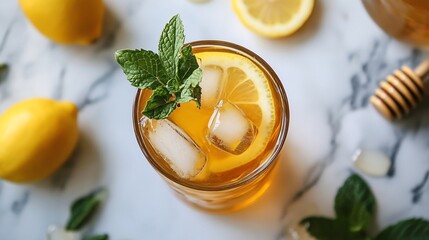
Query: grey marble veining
point(329, 69)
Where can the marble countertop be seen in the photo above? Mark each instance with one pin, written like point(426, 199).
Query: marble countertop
point(329, 69)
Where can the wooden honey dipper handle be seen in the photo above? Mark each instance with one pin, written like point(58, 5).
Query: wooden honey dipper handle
point(401, 92)
point(422, 70)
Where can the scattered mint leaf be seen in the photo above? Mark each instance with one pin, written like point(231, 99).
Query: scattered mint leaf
point(411, 229)
point(98, 237)
point(173, 75)
point(329, 229)
point(143, 68)
point(84, 208)
point(187, 63)
point(170, 45)
point(3, 70)
point(355, 204)
point(160, 105)
point(3, 67)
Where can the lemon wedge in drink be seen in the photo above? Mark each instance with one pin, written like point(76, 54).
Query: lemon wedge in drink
point(247, 87)
point(273, 18)
point(244, 84)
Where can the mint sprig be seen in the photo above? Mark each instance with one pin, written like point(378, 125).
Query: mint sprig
point(173, 74)
point(355, 211)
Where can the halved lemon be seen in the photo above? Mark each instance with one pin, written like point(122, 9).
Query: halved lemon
point(273, 18)
point(246, 86)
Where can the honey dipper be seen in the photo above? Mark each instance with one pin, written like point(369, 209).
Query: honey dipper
point(401, 92)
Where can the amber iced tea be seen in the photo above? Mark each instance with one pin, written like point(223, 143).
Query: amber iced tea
point(220, 157)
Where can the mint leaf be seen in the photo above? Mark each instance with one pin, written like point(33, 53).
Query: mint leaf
point(411, 229)
point(160, 105)
point(173, 86)
point(84, 208)
point(329, 229)
point(170, 45)
point(98, 237)
point(3, 67)
point(143, 68)
point(187, 63)
point(173, 75)
point(355, 204)
point(191, 89)
point(3, 70)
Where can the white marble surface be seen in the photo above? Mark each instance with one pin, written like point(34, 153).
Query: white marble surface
point(329, 68)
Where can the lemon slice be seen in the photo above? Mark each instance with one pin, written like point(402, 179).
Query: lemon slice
point(273, 18)
point(247, 87)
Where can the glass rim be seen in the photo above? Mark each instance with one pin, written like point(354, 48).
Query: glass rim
point(266, 163)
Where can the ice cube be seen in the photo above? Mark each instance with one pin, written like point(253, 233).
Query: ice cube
point(57, 233)
point(178, 149)
point(229, 129)
point(211, 85)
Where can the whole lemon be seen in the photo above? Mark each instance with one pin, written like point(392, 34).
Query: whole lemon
point(66, 21)
point(36, 137)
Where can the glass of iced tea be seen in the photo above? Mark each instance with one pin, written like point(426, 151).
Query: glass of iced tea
point(220, 157)
point(406, 20)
